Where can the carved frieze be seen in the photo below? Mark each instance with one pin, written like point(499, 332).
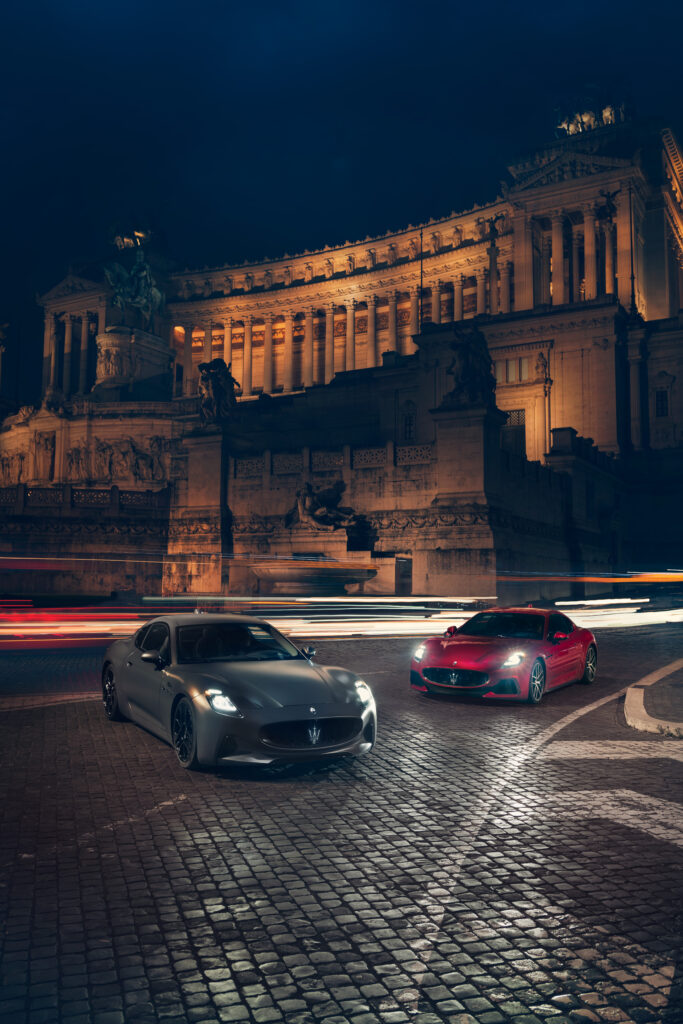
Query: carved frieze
point(119, 458)
point(256, 524)
point(398, 521)
point(12, 467)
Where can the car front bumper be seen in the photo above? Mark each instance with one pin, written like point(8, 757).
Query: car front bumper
point(284, 734)
point(499, 684)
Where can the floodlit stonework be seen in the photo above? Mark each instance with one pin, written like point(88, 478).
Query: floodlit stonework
point(355, 435)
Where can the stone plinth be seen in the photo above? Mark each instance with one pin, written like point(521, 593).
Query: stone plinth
point(127, 354)
point(312, 578)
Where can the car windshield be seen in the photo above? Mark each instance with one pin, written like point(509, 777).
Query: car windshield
point(514, 624)
point(232, 641)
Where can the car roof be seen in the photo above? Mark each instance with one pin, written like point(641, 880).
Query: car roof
point(204, 618)
point(521, 611)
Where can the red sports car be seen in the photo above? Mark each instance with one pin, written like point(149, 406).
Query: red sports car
point(516, 653)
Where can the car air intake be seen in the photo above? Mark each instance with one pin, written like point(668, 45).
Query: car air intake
point(314, 732)
point(455, 676)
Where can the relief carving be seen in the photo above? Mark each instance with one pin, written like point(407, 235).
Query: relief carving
point(12, 468)
point(43, 448)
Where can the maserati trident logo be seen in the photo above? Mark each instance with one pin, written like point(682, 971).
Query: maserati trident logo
point(314, 733)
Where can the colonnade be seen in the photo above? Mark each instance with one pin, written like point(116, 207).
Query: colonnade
point(575, 254)
point(61, 372)
point(367, 328)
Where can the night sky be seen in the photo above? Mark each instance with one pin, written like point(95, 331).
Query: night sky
point(240, 131)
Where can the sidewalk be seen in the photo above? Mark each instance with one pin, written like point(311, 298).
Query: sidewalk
point(655, 703)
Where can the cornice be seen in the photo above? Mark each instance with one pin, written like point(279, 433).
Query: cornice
point(442, 267)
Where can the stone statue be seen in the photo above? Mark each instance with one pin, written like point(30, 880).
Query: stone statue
point(19, 418)
point(457, 236)
point(472, 371)
point(435, 241)
point(541, 367)
point(44, 455)
point(136, 288)
point(217, 392)
point(329, 268)
point(412, 249)
point(122, 458)
point(320, 509)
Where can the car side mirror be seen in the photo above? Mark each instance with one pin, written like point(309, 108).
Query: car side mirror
point(451, 631)
point(555, 638)
point(153, 657)
point(308, 652)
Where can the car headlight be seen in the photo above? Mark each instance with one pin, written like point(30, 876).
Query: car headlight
point(419, 652)
point(221, 703)
point(364, 692)
point(516, 658)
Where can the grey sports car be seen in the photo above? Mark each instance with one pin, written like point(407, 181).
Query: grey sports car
point(225, 689)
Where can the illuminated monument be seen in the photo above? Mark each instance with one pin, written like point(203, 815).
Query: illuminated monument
point(521, 410)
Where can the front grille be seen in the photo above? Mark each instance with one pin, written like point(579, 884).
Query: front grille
point(455, 676)
point(314, 732)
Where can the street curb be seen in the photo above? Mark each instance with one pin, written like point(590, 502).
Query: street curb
point(634, 704)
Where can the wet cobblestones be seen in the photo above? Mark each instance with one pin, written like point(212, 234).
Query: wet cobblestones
point(434, 881)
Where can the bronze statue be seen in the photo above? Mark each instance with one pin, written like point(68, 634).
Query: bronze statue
point(471, 369)
point(217, 391)
point(135, 288)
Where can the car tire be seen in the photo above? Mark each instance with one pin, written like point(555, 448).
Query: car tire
point(536, 683)
point(184, 734)
point(110, 697)
point(590, 668)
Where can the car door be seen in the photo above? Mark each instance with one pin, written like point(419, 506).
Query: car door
point(144, 679)
point(561, 658)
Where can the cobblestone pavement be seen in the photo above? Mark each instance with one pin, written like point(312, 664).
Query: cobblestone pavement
point(484, 864)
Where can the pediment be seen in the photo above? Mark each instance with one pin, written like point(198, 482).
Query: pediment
point(71, 285)
point(569, 167)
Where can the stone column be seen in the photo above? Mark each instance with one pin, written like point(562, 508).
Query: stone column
point(247, 362)
point(590, 265)
point(83, 358)
point(493, 279)
point(393, 337)
point(308, 350)
point(68, 336)
point(436, 302)
point(372, 333)
point(187, 360)
point(457, 297)
point(415, 325)
point(47, 349)
point(541, 426)
point(505, 287)
point(351, 334)
point(54, 356)
point(481, 291)
point(623, 227)
point(545, 270)
point(559, 297)
point(609, 258)
point(268, 354)
point(576, 275)
point(635, 370)
point(208, 343)
point(227, 341)
point(289, 351)
point(329, 342)
point(523, 261)
point(101, 319)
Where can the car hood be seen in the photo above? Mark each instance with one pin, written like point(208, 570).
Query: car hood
point(273, 684)
point(476, 650)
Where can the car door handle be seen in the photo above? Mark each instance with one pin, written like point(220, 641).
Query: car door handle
point(129, 664)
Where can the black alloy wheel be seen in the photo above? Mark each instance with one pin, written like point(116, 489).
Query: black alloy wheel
point(184, 735)
point(110, 697)
point(590, 668)
point(536, 683)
